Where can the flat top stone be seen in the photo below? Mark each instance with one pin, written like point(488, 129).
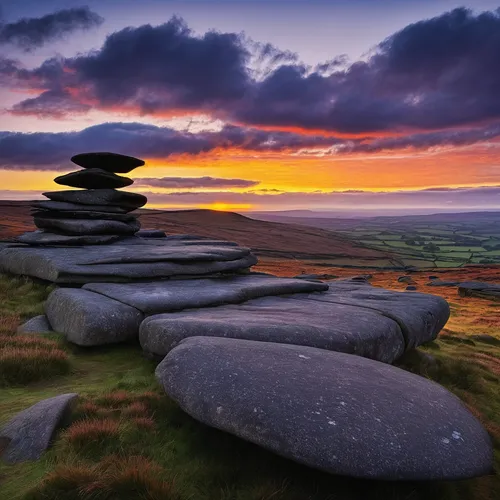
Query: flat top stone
point(31, 431)
point(112, 162)
point(153, 259)
point(339, 413)
point(110, 197)
point(93, 178)
point(290, 319)
point(174, 295)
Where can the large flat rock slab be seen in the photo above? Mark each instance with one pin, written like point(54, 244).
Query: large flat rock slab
point(135, 259)
point(288, 320)
point(89, 319)
point(31, 432)
point(342, 414)
point(175, 295)
point(111, 162)
point(421, 316)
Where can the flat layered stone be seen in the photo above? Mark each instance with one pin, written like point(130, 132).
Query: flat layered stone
point(84, 227)
point(124, 262)
point(62, 206)
point(90, 319)
point(82, 214)
point(93, 178)
point(122, 199)
point(43, 238)
point(286, 320)
point(32, 431)
point(38, 324)
point(175, 295)
point(420, 316)
point(342, 414)
point(111, 162)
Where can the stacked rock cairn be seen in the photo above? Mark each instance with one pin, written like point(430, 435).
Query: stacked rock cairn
point(95, 214)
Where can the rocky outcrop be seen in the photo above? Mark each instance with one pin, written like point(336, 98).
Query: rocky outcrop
point(339, 413)
point(31, 432)
point(76, 217)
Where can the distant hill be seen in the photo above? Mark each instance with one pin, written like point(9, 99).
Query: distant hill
point(265, 238)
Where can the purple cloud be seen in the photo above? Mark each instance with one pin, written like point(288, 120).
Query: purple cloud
point(31, 33)
point(194, 182)
point(434, 74)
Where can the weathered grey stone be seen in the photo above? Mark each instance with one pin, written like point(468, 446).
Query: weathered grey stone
point(175, 295)
point(112, 162)
point(93, 178)
point(288, 320)
point(32, 431)
point(122, 199)
point(339, 413)
point(90, 319)
point(87, 227)
point(479, 289)
point(38, 324)
point(438, 282)
point(420, 316)
point(62, 206)
point(151, 233)
point(81, 214)
point(45, 238)
point(411, 288)
point(124, 262)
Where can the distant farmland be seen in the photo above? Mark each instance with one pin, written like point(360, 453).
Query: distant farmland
point(431, 241)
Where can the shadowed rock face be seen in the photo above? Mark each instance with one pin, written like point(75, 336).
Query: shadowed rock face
point(30, 433)
point(87, 227)
point(42, 238)
point(112, 162)
point(339, 413)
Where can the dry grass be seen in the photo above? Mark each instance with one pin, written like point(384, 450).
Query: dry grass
point(93, 430)
point(113, 478)
point(22, 365)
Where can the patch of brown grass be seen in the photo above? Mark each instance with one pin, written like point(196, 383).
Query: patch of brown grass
point(22, 365)
point(92, 431)
point(114, 477)
point(9, 324)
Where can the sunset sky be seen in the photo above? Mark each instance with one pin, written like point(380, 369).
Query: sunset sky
point(258, 105)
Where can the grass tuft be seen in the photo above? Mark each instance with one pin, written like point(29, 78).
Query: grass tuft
point(22, 365)
point(112, 478)
point(92, 431)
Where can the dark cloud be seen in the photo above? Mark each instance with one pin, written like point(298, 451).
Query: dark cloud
point(47, 150)
point(31, 33)
point(51, 103)
point(432, 76)
point(194, 182)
